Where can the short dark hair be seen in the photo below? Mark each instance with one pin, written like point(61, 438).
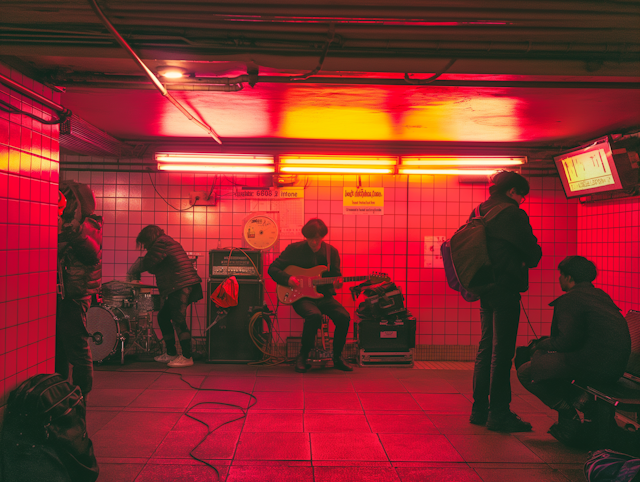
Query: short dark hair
point(504, 181)
point(148, 236)
point(579, 268)
point(315, 227)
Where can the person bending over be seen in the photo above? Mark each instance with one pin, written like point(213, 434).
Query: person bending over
point(179, 286)
point(79, 278)
point(311, 252)
point(512, 249)
point(589, 343)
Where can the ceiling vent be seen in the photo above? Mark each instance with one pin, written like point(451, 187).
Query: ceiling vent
point(77, 135)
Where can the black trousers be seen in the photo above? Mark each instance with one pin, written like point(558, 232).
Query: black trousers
point(500, 315)
point(175, 309)
point(312, 310)
point(72, 345)
point(550, 392)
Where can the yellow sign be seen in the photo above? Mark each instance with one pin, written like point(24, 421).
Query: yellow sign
point(269, 193)
point(363, 200)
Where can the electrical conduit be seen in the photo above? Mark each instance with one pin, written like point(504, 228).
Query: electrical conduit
point(154, 79)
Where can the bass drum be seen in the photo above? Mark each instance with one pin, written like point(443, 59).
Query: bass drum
point(107, 328)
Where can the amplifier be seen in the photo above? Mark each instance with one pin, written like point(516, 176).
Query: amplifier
point(222, 265)
point(229, 339)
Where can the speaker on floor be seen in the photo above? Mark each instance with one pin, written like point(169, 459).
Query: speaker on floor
point(229, 339)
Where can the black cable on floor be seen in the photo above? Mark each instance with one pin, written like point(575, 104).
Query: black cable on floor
point(209, 431)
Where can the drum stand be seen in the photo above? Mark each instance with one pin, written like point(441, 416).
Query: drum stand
point(144, 335)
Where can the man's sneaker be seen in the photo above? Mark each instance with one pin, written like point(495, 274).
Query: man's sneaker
point(478, 417)
point(339, 364)
point(165, 358)
point(180, 361)
point(508, 423)
point(301, 364)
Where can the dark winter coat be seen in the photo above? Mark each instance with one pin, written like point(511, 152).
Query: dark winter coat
point(167, 259)
point(589, 339)
point(301, 255)
point(511, 245)
point(80, 257)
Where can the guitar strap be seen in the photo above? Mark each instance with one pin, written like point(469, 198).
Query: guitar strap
point(327, 252)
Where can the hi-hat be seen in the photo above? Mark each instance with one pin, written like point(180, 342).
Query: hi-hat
point(137, 284)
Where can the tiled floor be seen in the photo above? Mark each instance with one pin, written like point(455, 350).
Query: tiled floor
point(374, 424)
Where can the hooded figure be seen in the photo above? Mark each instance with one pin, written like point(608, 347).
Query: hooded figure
point(79, 277)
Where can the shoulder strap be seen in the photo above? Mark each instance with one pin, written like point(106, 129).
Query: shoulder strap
point(328, 255)
point(495, 211)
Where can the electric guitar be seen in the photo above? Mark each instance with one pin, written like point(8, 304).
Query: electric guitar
point(312, 277)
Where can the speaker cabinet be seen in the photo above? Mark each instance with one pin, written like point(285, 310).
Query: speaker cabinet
point(228, 341)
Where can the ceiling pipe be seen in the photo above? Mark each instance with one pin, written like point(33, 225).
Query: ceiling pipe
point(492, 8)
point(479, 32)
point(431, 79)
point(57, 108)
point(147, 86)
point(130, 81)
point(376, 14)
point(150, 74)
point(281, 40)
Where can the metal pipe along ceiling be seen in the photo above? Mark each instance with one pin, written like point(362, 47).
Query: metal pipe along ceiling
point(232, 84)
point(150, 74)
point(13, 85)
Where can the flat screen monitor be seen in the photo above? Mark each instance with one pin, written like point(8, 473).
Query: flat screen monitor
point(588, 169)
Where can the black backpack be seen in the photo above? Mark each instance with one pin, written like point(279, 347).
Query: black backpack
point(465, 255)
point(44, 435)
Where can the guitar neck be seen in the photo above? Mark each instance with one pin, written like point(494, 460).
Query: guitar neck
point(346, 279)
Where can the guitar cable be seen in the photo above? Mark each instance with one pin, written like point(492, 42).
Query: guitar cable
point(252, 401)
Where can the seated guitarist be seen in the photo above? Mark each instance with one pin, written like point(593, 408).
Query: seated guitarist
point(308, 254)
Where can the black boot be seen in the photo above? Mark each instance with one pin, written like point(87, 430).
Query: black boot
point(339, 364)
point(569, 429)
point(507, 422)
point(301, 363)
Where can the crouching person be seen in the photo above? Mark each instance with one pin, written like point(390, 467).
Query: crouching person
point(589, 343)
point(179, 286)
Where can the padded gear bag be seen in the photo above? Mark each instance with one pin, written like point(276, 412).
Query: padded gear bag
point(610, 466)
point(44, 435)
point(465, 254)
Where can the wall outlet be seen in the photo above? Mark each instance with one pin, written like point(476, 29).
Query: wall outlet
point(202, 198)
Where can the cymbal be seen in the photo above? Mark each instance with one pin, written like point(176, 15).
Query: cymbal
point(137, 284)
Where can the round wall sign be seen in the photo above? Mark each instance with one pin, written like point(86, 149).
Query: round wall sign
point(260, 231)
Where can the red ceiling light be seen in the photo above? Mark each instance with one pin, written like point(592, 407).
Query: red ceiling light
point(466, 166)
point(337, 164)
point(204, 162)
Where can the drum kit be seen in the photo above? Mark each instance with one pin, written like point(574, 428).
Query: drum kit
point(123, 320)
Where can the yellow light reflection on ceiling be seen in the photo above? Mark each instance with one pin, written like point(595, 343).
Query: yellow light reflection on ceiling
point(468, 117)
point(342, 113)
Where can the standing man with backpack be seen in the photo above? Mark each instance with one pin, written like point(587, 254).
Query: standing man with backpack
point(513, 250)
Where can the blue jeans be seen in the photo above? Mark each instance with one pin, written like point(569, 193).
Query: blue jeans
point(500, 315)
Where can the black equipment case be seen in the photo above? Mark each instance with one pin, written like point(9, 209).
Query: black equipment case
point(385, 324)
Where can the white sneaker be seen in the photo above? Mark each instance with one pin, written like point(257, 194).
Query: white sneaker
point(180, 361)
point(165, 358)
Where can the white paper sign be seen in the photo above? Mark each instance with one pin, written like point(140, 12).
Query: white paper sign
point(432, 256)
